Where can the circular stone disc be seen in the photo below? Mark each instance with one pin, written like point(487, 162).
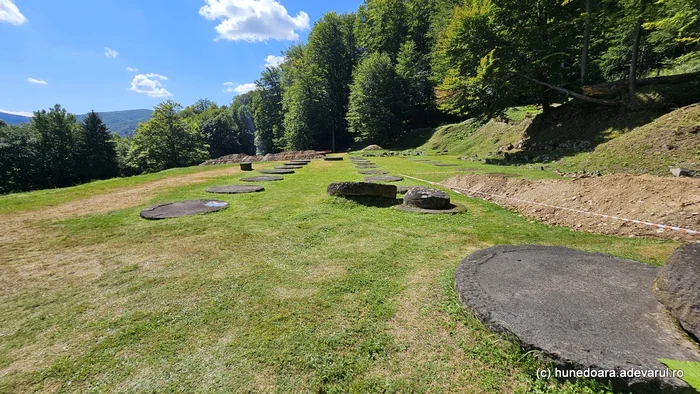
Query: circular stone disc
point(366, 167)
point(585, 309)
point(235, 189)
point(455, 208)
point(262, 178)
point(300, 161)
point(277, 171)
point(373, 172)
point(333, 158)
point(444, 165)
point(288, 167)
point(182, 208)
point(296, 163)
point(384, 178)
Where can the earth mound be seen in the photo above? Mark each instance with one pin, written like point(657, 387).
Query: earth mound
point(665, 200)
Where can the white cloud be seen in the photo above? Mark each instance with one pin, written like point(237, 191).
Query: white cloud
point(111, 53)
point(238, 88)
point(157, 76)
point(9, 13)
point(274, 61)
point(131, 69)
point(19, 113)
point(150, 84)
point(38, 81)
point(254, 20)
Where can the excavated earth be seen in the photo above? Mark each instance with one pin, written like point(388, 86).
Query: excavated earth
point(661, 200)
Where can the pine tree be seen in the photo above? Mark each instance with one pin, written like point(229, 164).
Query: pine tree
point(97, 152)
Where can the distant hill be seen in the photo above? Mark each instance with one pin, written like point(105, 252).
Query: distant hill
point(119, 122)
point(13, 119)
point(123, 122)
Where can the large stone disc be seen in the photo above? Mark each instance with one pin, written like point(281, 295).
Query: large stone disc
point(277, 171)
point(384, 178)
point(182, 208)
point(583, 310)
point(235, 189)
point(262, 178)
point(373, 172)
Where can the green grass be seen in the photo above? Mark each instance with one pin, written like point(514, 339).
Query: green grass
point(10, 203)
point(286, 290)
point(472, 137)
point(669, 141)
point(517, 114)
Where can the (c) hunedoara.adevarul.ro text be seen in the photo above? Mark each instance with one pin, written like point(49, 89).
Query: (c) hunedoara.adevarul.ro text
point(548, 373)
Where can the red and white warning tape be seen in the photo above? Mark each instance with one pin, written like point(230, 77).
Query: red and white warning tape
point(644, 222)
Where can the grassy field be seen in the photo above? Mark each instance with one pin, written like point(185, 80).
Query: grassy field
point(286, 290)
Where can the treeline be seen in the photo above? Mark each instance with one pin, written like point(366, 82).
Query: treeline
point(373, 75)
point(55, 150)
point(396, 65)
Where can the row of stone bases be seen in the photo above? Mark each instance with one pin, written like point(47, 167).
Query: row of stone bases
point(416, 198)
point(195, 207)
point(589, 311)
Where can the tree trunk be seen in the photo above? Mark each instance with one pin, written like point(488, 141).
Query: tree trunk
point(586, 39)
point(635, 56)
point(333, 139)
point(569, 92)
point(614, 89)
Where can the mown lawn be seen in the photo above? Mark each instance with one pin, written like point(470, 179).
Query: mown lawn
point(286, 290)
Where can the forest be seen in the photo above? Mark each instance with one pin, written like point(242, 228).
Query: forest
point(374, 75)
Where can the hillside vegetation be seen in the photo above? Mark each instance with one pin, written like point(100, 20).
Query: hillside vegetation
point(672, 140)
point(654, 132)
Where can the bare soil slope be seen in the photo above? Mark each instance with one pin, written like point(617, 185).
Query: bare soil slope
point(668, 201)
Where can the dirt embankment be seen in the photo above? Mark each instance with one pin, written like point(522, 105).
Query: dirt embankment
point(669, 201)
point(283, 156)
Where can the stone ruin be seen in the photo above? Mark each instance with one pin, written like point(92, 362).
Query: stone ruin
point(283, 156)
point(421, 199)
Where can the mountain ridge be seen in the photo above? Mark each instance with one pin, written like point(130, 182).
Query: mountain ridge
point(122, 122)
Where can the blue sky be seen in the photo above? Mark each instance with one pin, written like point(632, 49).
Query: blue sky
point(83, 54)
